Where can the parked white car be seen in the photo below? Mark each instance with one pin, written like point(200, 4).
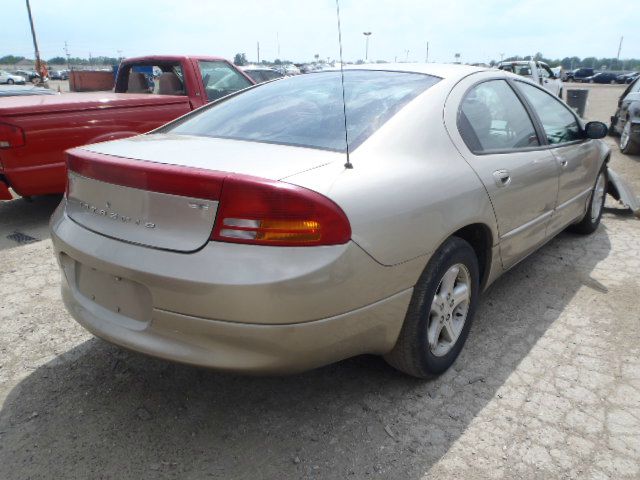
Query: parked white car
point(539, 72)
point(9, 78)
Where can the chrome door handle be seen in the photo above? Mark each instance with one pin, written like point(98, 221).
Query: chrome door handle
point(564, 162)
point(502, 178)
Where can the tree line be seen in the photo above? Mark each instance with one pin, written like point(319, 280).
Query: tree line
point(569, 63)
point(101, 60)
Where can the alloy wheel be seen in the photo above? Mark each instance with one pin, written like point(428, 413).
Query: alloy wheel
point(449, 310)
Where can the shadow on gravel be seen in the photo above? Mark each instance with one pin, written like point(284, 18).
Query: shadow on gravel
point(97, 411)
point(21, 219)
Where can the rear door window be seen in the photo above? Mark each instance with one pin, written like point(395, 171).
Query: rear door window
point(492, 118)
point(221, 79)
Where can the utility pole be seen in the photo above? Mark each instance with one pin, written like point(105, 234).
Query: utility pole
point(366, 48)
point(406, 58)
point(39, 68)
point(619, 49)
point(427, 58)
point(258, 52)
point(66, 52)
point(501, 57)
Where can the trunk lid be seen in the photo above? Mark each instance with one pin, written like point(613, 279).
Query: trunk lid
point(162, 191)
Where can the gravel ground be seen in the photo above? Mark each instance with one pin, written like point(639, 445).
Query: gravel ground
point(548, 385)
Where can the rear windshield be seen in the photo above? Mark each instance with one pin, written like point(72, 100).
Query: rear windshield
point(307, 110)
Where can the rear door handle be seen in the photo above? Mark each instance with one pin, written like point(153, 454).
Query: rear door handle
point(502, 177)
point(563, 162)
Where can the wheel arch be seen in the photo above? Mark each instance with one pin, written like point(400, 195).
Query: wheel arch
point(480, 237)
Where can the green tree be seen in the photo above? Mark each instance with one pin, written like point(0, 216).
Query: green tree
point(57, 61)
point(10, 59)
point(240, 59)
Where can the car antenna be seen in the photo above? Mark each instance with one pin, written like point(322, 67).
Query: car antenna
point(347, 165)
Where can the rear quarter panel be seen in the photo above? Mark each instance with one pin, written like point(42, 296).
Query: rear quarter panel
point(409, 188)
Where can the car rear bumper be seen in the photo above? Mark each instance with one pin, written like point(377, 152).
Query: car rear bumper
point(243, 347)
point(233, 307)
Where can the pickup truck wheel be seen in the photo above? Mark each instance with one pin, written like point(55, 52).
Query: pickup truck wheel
point(612, 82)
point(10, 81)
point(628, 144)
point(439, 316)
point(591, 219)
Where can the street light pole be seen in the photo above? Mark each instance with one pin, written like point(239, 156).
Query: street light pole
point(366, 48)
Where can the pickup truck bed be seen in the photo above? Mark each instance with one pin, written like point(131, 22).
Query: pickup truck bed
point(35, 131)
point(81, 118)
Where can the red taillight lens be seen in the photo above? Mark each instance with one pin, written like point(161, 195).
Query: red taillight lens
point(266, 212)
point(144, 175)
point(11, 136)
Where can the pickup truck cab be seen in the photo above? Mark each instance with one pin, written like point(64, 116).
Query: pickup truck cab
point(149, 92)
point(539, 72)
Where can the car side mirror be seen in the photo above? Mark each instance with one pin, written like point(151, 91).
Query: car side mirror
point(595, 130)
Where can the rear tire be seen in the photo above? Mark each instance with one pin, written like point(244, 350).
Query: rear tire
point(439, 316)
point(591, 219)
point(10, 81)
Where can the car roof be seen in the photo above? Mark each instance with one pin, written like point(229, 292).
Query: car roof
point(442, 70)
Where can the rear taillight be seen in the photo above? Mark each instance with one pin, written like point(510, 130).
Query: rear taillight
point(11, 136)
point(265, 212)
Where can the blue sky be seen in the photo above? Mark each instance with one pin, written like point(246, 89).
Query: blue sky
point(478, 29)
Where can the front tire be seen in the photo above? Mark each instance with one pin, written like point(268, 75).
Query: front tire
point(628, 144)
point(591, 219)
point(439, 316)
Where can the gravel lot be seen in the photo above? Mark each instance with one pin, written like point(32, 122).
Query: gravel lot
point(548, 385)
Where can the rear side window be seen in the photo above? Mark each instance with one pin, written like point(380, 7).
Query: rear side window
point(307, 110)
point(164, 78)
point(491, 118)
point(560, 126)
point(220, 79)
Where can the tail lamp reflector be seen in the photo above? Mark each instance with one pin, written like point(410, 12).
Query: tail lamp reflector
point(11, 136)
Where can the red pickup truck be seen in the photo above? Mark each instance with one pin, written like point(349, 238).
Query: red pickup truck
point(149, 91)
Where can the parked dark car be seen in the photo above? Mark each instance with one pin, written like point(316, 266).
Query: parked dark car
point(626, 121)
point(627, 77)
point(59, 75)
point(579, 74)
point(601, 77)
